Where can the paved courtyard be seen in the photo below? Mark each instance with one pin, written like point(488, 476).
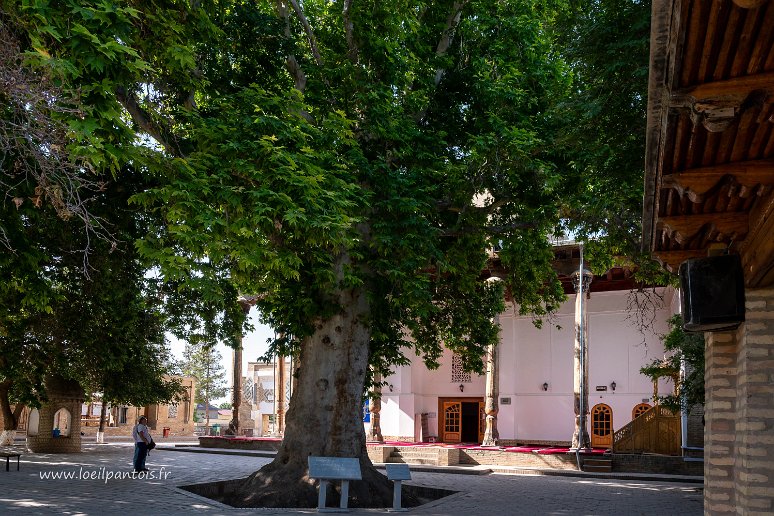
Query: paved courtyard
point(30, 492)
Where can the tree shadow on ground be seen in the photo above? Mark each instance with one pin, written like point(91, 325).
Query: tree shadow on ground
point(230, 492)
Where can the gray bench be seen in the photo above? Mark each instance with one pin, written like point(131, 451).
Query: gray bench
point(397, 473)
point(334, 468)
point(8, 456)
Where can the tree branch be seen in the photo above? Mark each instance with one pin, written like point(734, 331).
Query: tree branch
point(309, 33)
point(448, 206)
point(352, 50)
point(143, 119)
point(443, 45)
point(448, 35)
point(492, 230)
point(291, 63)
point(299, 77)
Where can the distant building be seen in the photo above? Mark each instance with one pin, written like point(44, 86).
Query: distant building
point(201, 414)
point(534, 379)
point(259, 388)
point(176, 418)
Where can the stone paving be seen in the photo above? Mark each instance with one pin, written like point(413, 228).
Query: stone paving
point(28, 492)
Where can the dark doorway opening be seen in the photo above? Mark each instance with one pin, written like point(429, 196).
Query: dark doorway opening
point(469, 425)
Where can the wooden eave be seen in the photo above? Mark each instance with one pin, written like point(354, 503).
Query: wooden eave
point(709, 176)
point(566, 262)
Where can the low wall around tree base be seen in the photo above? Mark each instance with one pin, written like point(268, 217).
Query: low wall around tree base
point(240, 443)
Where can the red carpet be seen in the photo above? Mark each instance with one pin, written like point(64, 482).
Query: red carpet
point(464, 446)
point(471, 446)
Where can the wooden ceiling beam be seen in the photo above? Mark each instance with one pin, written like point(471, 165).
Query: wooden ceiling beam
point(758, 249)
point(673, 259)
point(698, 181)
point(740, 87)
point(731, 225)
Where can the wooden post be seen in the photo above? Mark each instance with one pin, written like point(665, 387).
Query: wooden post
point(580, 437)
point(245, 303)
point(374, 407)
point(237, 398)
point(491, 434)
point(280, 395)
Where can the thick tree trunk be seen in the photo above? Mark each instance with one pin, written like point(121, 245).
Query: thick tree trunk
point(10, 417)
point(102, 418)
point(10, 421)
point(325, 417)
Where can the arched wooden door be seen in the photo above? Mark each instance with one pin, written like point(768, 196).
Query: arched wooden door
point(601, 426)
point(639, 410)
point(452, 422)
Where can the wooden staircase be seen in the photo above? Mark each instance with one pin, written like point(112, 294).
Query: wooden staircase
point(598, 465)
point(656, 430)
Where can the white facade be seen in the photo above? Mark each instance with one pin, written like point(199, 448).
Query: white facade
point(262, 398)
point(529, 358)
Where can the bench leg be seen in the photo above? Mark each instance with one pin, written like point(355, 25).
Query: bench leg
point(321, 496)
point(8, 463)
point(344, 494)
point(18, 457)
point(396, 495)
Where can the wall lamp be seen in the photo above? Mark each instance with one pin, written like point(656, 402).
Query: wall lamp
point(462, 388)
point(391, 387)
point(612, 386)
point(545, 386)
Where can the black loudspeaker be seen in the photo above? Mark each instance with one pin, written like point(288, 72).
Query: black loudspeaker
point(712, 293)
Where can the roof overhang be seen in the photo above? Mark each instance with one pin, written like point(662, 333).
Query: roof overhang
point(709, 177)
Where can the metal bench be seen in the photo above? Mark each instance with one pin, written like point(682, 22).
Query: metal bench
point(8, 456)
point(334, 468)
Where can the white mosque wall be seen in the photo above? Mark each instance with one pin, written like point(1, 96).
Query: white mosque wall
point(530, 357)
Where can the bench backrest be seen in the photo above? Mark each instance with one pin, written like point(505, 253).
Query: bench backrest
point(334, 468)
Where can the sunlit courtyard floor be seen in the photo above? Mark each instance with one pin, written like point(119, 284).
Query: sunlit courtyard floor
point(87, 483)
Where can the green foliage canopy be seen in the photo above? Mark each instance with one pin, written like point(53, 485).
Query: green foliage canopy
point(408, 138)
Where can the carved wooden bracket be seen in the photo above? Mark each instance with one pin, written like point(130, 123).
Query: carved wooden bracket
point(716, 105)
point(698, 182)
point(733, 225)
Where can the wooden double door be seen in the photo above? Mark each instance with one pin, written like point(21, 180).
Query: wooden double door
point(463, 420)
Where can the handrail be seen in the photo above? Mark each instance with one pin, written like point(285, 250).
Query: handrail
point(651, 431)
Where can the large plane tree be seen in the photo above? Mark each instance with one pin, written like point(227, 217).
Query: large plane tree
point(351, 163)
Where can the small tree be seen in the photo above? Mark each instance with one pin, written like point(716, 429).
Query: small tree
point(204, 362)
point(683, 346)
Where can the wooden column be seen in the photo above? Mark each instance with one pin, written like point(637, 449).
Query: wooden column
point(491, 434)
point(245, 303)
point(374, 407)
point(279, 393)
point(580, 437)
point(237, 381)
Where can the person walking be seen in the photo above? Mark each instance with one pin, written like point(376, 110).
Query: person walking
point(142, 438)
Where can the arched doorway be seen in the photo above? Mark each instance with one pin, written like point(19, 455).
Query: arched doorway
point(62, 421)
point(601, 426)
point(640, 409)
